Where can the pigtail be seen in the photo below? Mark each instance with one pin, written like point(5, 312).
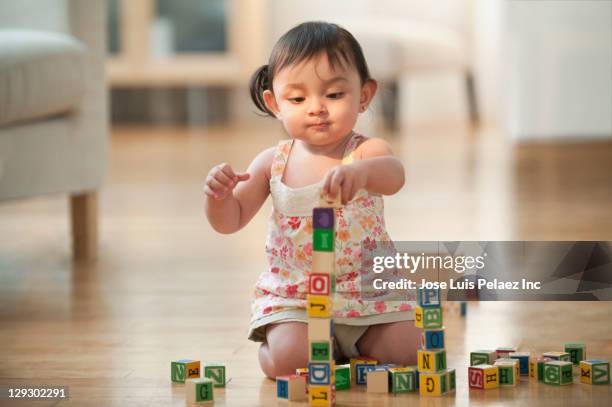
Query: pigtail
point(258, 84)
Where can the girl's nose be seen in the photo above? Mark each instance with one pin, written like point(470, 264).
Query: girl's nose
point(316, 107)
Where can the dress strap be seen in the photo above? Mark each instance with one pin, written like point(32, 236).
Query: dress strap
point(354, 142)
point(280, 158)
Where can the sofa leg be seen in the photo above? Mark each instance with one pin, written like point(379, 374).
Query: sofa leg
point(84, 220)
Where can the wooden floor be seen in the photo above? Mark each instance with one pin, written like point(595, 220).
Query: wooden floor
point(166, 286)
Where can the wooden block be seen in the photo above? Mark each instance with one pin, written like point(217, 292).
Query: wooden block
point(216, 372)
point(321, 396)
point(320, 351)
point(432, 384)
point(558, 372)
point(482, 357)
point(451, 380)
point(428, 297)
point(320, 329)
point(361, 359)
point(320, 284)
point(432, 339)
point(523, 358)
point(536, 367)
point(415, 369)
point(577, 352)
point(378, 380)
point(291, 387)
point(181, 370)
point(505, 351)
point(483, 377)
point(402, 380)
point(320, 373)
point(323, 218)
point(361, 371)
point(431, 361)
point(428, 318)
point(562, 356)
point(199, 391)
point(595, 371)
point(319, 306)
point(323, 240)
point(323, 263)
point(330, 202)
point(509, 371)
point(343, 377)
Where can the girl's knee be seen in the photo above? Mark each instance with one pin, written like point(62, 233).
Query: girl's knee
point(392, 343)
point(286, 349)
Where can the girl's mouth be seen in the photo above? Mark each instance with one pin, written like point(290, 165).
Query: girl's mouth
point(320, 126)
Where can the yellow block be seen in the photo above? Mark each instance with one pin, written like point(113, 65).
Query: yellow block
point(418, 317)
point(427, 360)
point(193, 370)
point(491, 375)
point(586, 372)
point(320, 396)
point(362, 360)
point(430, 384)
point(319, 306)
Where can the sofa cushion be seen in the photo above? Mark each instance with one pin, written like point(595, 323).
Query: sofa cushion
point(41, 73)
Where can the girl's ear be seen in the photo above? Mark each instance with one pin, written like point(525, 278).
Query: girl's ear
point(368, 90)
point(271, 104)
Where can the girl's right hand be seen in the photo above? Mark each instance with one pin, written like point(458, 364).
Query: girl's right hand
point(222, 180)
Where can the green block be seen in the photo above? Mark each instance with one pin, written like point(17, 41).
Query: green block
point(215, 372)
point(482, 357)
point(181, 370)
point(323, 240)
point(506, 375)
point(558, 373)
point(402, 380)
point(577, 352)
point(204, 391)
point(432, 318)
point(343, 378)
point(320, 350)
point(452, 382)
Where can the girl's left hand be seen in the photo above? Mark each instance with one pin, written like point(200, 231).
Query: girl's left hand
point(345, 179)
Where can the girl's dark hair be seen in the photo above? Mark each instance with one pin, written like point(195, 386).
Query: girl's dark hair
point(301, 43)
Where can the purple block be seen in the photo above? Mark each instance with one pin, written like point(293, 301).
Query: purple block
point(323, 218)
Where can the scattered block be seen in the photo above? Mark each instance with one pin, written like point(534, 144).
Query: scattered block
point(503, 352)
point(215, 372)
point(320, 329)
point(433, 384)
point(361, 371)
point(428, 297)
point(433, 339)
point(483, 377)
point(432, 361)
point(562, 356)
point(509, 371)
point(577, 352)
point(451, 380)
point(181, 370)
point(360, 360)
point(378, 380)
point(536, 367)
point(428, 318)
point(482, 357)
point(558, 372)
point(594, 371)
point(523, 358)
point(322, 396)
point(402, 380)
point(292, 387)
point(199, 391)
point(343, 377)
point(415, 369)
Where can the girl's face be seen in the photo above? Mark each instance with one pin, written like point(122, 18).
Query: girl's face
point(317, 104)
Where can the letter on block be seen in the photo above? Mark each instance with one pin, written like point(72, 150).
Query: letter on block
point(432, 361)
point(321, 396)
point(215, 372)
point(319, 374)
point(323, 218)
point(594, 371)
point(323, 240)
point(558, 372)
point(483, 377)
point(319, 284)
point(319, 306)
point(508, 372)
point(320, 329)
point(432, 384)
point(428, 318)
point(199, 390)
point(360, 360)
point(292, 387)
point(433, 339)
point(320, 351)
point(577, 352)
point(361, 372)
point(523, 358)
point(428, 297)
point(451, 381)
point(343, 377)
point(402, 380)
point(482, 357)
point(183, 369)
point(378, 380)
point(563, 356)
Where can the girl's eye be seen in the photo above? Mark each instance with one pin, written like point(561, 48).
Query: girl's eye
point(335, 95)
point(296, 100)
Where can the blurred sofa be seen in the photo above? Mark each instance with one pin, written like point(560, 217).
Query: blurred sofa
point(53, 107)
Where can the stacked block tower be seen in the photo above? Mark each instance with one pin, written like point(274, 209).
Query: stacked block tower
point(434, 377)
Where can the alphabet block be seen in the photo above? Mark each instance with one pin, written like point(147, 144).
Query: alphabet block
point(319, 373)
point(361, 372)
point(319, 306)
point(183, 369)
point(523, 358)
point(558, 372)
point(451, 381)
point(509, 371)
point(320, 351)
point(323, 263)
point(503, 352)
point(343, 377)
point(428, 297)
point(428, 318)
point(577, 352)
point(482, 357)
point(199, 391)
point(322, 396)
point(320, 284)
point(594, 371)
point(291, 387)
point(562, 356)
point(536, 367)
point(402, 380)
point(215, 372)
point(360, 360)
point(320, 329)
point(323, 240)
point(431, 361)
point(433, 339)
point(433, 384)
point(483, 377)
point(378, 380)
